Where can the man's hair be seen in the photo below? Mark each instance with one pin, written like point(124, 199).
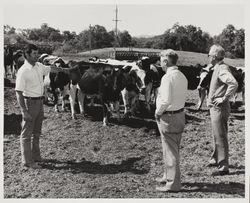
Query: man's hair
point(28, 49)
point(217, 51)
point(171, 54)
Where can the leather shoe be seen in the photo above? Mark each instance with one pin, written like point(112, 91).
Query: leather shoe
point(212, 163)
point(165, 189)
point(220, 173)
point(33, 166)
point(161, 180)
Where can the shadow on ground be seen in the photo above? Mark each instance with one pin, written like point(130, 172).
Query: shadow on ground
point(134, 165)
point(12, 124)
point(220, 188)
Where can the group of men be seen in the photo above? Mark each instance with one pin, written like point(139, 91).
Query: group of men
point(169, 114)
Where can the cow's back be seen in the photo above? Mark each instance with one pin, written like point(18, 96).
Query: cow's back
point(91, 82)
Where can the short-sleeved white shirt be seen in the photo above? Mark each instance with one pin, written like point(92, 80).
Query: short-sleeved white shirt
point(29, 79)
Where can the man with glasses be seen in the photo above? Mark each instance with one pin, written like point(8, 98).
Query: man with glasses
point(222, 86)
point(170, 118)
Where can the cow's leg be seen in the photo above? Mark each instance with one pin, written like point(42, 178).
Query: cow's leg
point(133, 99)
point(46, 95)
point(105, 114)
point(55, 99)
point(81, 98)
point(92, 101)
point(234, 98)
point(117, 110)
point(125, 99)
point(12, 71)
point(156, 90)
point(63, 102)
point(72, 98)
point(65, 95)
point(202, 95)
point(148, 95)
point(243, 96)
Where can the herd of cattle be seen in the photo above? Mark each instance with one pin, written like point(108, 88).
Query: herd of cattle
point(111, 81)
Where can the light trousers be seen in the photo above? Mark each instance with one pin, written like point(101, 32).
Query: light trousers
point(171, 127)
point(219, 122)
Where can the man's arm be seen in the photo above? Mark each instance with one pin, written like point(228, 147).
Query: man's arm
point(166, 96)
point(20, 100)
point(54, 69)
point(226, 77)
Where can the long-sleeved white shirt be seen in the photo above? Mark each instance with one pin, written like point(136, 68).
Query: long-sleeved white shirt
point(30, 79)
point(172, 92)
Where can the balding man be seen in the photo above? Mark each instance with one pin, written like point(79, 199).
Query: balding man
point(223, 85)
point(170, 118)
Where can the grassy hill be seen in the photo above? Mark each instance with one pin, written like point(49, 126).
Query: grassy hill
point(185, 58)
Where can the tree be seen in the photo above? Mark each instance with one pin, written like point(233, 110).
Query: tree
point(239, 43)
point(9, 30)
point(125, 39)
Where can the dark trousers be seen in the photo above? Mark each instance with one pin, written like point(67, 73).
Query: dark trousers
point(31, 131)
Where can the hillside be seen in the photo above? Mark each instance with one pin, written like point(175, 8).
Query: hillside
point(185, 58)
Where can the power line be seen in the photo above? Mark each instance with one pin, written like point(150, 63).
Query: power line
point(116, 22)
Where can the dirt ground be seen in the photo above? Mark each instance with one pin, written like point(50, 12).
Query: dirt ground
point(82, 159)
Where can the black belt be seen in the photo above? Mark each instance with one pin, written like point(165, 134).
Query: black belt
point(34, 98)
point(173, 112)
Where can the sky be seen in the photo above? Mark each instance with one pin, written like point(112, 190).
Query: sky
point(137, 19)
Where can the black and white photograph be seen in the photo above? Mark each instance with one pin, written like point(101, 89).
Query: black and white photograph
point(124, 100)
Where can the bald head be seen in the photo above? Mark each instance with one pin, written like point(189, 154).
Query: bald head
point(217, 51)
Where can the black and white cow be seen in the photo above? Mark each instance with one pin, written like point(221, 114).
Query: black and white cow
point(56, 82)
point(103, 81)
point(237, 72)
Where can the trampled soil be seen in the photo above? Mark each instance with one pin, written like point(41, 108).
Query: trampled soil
point(82, 159)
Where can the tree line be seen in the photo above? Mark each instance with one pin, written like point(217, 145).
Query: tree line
point(178, 37)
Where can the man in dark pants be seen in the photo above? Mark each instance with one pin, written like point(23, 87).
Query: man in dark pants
point(223, 85)
point(29, 92)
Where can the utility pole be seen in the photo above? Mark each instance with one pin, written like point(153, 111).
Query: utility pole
point(90, 40)
point(116, 21)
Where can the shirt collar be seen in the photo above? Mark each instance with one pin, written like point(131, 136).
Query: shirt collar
point(27, 64)
point(220, 62)
point(172, 68)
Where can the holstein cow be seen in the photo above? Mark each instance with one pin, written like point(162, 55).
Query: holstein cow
point(106, 83)
point(8, 60)
point(18, 61)
point(238, 74)
point(145, 76)
point(192, 74)
point(203, 91)
point(56, 81)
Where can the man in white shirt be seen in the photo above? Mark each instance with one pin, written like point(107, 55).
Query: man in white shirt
point(170, 118)
point(29, 92)
point(222, 86)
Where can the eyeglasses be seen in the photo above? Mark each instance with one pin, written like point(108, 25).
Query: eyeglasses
point(210, 55)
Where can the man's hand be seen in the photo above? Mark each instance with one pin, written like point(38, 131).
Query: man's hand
point(26, 116)
point(199, 87)
point(218, 101)
point(157, 117)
